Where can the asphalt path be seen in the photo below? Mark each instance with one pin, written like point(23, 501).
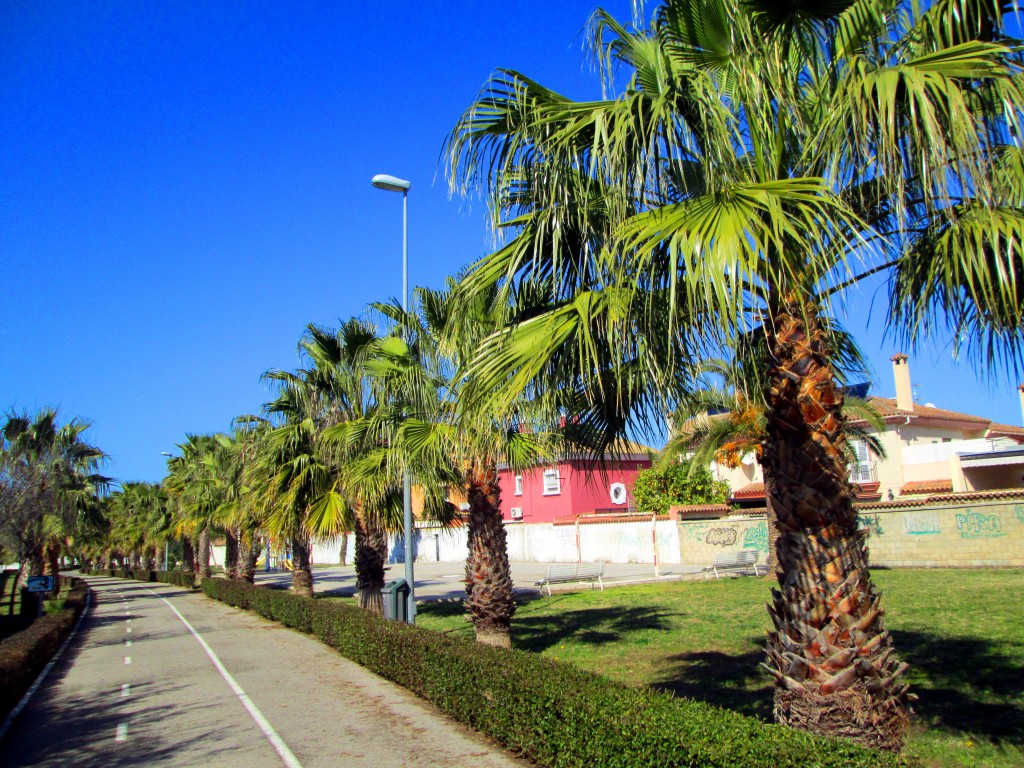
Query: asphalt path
point(161, 677)
point(445, 581)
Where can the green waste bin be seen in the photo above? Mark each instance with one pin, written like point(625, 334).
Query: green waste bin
point(396, 600)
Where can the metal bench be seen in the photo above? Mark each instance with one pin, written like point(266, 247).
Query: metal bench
point(566, 574)
point(743, 560)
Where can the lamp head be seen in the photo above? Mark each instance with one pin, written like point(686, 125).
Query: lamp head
point(390, 183)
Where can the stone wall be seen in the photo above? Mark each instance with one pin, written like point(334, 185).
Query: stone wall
point(941, 532)
point(965, 535)
point(701, 540)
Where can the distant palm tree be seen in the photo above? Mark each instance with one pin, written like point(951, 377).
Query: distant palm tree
point(49, 487)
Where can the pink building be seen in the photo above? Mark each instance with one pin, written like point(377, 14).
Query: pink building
point(572, 487)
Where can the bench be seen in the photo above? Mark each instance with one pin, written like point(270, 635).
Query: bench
point(743, 560)
point(565, 574)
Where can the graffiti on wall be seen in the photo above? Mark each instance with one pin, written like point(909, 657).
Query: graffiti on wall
point(872, 522)
point(1019, 509)
point(975, 525)
point(756, 538)
point(696, 532)
point(921, 523)
point(721, 537)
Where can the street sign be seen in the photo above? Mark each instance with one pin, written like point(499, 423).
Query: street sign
point(40, 584)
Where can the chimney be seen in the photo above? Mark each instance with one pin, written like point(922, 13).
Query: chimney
point(904, 390)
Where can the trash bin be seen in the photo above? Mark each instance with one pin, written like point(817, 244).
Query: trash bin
point(396, 600)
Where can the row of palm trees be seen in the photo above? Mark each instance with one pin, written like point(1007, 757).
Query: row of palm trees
point(50, 490)
point(759, 161)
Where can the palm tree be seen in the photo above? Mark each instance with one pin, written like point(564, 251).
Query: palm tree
point(49, 487)
point(762, 159)
point(433, 431)
point(195, 481)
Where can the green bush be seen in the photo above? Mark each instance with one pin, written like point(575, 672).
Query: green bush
point(655, 490)
point(24, 654)
point(550, 713)
point(186, 579)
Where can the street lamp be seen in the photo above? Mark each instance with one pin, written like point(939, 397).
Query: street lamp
point(167, 543)
point(393, 184)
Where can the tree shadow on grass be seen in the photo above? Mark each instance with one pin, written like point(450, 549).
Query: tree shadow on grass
point(593, 626)
point(734, 681)
point(965, 684)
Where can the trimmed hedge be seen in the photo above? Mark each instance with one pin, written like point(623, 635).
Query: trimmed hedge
point(24, 654)
point(186, 579)
point(553, 714)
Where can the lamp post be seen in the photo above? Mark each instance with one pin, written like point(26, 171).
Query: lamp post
point(167, 543)
point(393, 184)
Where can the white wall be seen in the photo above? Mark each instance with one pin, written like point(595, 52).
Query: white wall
point(535, 542)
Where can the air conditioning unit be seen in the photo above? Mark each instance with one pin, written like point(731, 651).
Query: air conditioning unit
point(617, 491)
point(517, 513)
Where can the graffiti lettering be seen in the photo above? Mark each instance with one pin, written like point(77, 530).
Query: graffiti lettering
point(974, 525)
point(1019, 509)
point(756, 538)
point(721, 537)
point(696, 532)
point(872, 522)
point(921, 523)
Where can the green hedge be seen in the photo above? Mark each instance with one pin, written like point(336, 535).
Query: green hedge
point(23, 655)
point(186, 579)
point(553, 714)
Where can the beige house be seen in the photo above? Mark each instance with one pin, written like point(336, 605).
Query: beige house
point(928, 451)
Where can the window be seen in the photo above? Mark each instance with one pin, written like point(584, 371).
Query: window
point(519, 485)
point(860, 468)
point(552, 482)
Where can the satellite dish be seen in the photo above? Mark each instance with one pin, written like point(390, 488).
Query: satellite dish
point(618, 493)
point(748, 459)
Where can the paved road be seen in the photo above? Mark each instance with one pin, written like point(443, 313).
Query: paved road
point(138, 688)
point(444, 581)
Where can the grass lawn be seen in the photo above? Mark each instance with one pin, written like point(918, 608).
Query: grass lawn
point(961, 631)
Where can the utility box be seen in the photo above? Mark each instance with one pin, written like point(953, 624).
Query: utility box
point(396, 600)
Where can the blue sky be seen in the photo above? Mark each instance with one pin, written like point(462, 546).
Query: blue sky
point(183, 186)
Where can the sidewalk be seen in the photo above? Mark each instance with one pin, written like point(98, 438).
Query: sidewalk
point(444, 581)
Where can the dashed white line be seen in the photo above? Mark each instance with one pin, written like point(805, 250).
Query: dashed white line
point(126, 689)
point(127, 659)
point(128, 630)
point(287, 756)
point(128, 643)
point(122, 732)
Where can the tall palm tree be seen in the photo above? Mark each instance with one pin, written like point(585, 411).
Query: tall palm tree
point(196, 483)
point(762, 159)
point(432, 433)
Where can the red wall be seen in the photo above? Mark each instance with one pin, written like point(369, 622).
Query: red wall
point(582, 492)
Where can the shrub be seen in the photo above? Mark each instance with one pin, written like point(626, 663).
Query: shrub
point(655, 490)
point(23, 655)
point(551, 713)
point(186, 579)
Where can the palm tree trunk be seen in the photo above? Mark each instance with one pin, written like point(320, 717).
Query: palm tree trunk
point(773, 529)
point(203, 566)
point(490, 600)
point(343, 549)
point(188, 554)
point(829, 653)
point(302, 573)
point(370, 540)
point(251, 546)
point(231, 554)
point(53, 565)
